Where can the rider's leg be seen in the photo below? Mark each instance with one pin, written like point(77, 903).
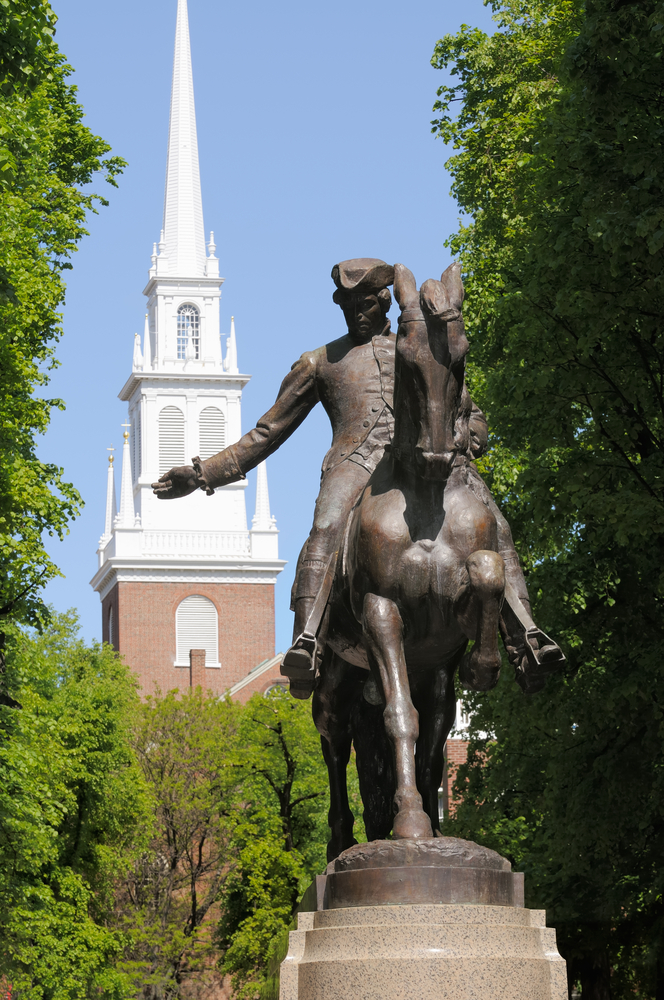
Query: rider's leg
point(479, 616)
point(532, 653)
point(339, 491)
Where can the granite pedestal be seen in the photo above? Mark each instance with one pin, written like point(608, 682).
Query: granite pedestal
point(455, 947)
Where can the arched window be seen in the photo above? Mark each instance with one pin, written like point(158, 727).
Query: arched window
point(171, 438)
point(211, 431)
point(111, 627)
point(196, 627)
point(189, 328)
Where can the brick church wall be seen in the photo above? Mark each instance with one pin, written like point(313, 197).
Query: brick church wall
point(456, 753)
point(144, 630)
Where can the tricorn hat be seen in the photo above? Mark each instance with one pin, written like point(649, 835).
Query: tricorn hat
point(363, 273)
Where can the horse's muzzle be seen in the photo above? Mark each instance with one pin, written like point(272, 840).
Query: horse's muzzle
point(434, 466)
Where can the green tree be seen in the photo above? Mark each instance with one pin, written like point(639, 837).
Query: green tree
point(281, 835)
point(559, 170)
point(71, 803)
point(47, 157)
point(167, 900)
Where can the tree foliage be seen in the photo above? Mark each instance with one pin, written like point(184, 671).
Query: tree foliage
point(47, 157)
point(71, 801)
point(281, 837)
point(558, 168)
point(168, 897)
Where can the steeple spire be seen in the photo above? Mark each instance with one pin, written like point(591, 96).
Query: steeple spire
point(184, 239)
point(111, 509)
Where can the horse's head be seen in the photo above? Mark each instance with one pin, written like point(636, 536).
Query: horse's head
point(431, 348)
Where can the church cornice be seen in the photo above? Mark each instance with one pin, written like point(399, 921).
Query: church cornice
point(179, 571)
point(209, 380)
point(164, 284)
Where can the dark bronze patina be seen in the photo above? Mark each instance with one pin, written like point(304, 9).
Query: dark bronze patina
point(408, 559)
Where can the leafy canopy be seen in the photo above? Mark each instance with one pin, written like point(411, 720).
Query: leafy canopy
point(557, 166)
point(71, 801)
point(47, 158)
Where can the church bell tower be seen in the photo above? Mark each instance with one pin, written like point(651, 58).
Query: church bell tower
point(186, 574)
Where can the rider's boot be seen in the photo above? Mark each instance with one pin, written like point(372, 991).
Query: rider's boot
point(299, 662)
point(531, 651)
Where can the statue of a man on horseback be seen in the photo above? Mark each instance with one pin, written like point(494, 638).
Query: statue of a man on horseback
point(408, 558)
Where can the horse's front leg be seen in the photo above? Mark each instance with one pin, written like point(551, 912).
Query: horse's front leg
point(332, 703)
point(383, 634)
point(479, 617)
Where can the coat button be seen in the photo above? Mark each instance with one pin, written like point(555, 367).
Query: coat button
point(366, 423)
point(342, 453)
point(374, 409)
point(355, 440)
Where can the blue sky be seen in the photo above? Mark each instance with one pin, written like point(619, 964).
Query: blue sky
point(315, 146)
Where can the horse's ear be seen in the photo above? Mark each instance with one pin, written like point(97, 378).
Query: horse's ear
point(435, 301)
point(451, 279)
point(405, 286)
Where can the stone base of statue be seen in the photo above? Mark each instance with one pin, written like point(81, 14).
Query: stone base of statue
point(418, 920)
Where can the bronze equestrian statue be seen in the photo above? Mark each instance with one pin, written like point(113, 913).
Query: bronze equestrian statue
point(408, 557)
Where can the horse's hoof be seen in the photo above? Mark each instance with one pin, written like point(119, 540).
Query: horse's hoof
point(412, 824)
point(337, 847)
point(478, 676)
point(528, 682)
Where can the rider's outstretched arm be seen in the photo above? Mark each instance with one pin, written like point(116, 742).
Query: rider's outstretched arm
point(297, 397)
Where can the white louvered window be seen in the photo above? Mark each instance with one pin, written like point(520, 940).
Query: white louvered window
point(189, 328)
point(136, 445)
point(111, 627)
point(211, 432)
point(196, 627)
point(171, 438)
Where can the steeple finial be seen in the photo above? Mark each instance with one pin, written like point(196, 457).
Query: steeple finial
point(184, 237)
point(125, 518)
point(111, 509)
point(230, 361)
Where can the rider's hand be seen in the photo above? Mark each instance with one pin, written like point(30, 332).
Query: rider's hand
point(178, 482)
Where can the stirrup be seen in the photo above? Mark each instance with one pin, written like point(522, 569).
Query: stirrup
point(548, 657)
point(299, 663)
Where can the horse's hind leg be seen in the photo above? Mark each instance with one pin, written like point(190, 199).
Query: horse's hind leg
point(479, 618)
point(332, 702)
point(383, 634)
point(436, 701)
point(375, 768)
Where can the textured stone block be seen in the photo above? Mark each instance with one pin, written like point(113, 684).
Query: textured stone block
point(432, 952)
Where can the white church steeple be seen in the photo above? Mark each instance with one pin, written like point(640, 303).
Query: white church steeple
point(184, 400)
point(183, 234)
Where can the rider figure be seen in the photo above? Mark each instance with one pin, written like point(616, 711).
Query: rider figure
point(353, 377)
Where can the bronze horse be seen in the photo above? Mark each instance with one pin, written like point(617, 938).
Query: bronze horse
point(419, 576)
